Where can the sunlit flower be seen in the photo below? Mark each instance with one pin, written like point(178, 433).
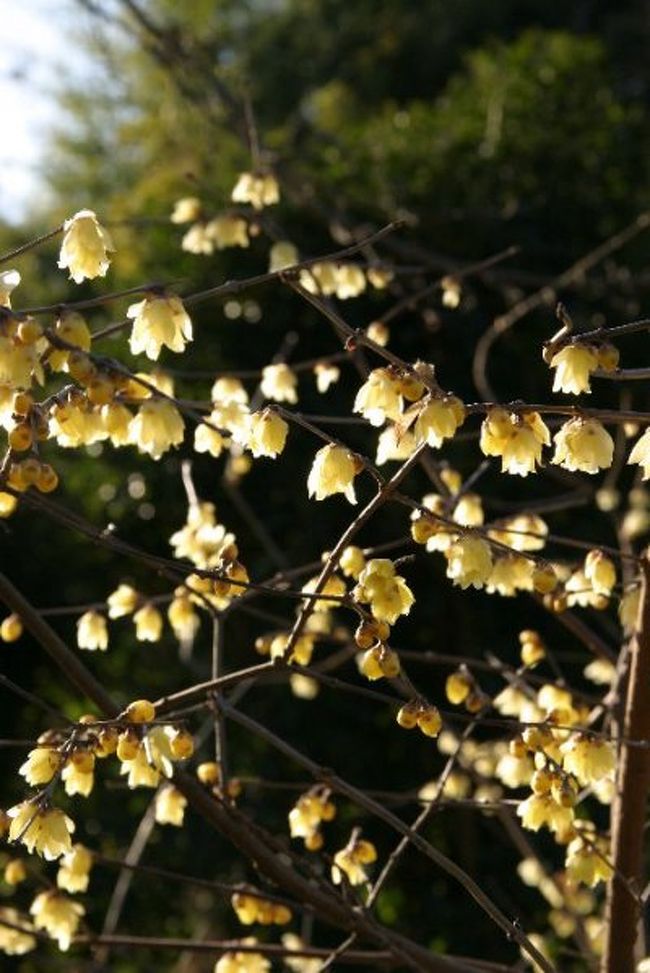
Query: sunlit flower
point(45, 831)
point(157, 426)
point(583, 444)
point(85, 248)
point(170, 806)
point(574, 364)
point(523, 532)
point(159, 320)
point(326, 374)
point(510, 574)
point(15, 942)
point(384, 590)
point(74, 869)
point(19, 363)
point(243, 961)
point(228, 230)
point(9, 279)
point(379, 397)
point(438, 420)
point(267, 433)
point(279, 383)
point(394, 444)
point(148, 623)
point(58, 915)
point(258, 189)
point(587, 861)
point(208, 440)
point(333, 471)
point(78, 776)
point(182, 616)
point(92, 631)
point(541, 810)
point(186, 209)
point(517, 439)
point(469, 561)
point(641, 454)
point(41, 765)
point(198, 240)
point(350, 281)
point(122, 601)
point(283, 254)
point(600, 572)
point(587, 758)
point(350, 861)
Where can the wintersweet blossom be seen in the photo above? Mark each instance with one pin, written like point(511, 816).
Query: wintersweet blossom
point(333, 471)
point(583, 444)
point(258, 189)
point(9, 280)
point(85, 248)
point(148, 623)
point(282, 254)
point(74, 869)
point(469, 561)
point(227, 230)
point(186, 209)
point(46, 831)
point(279, 383)
point(267, 433)
point(600, 572)
point(170, 806)
point(92, 631)
point(350, 862)
point(243, 962)
point(438, 420)
point(379, 397)
point(517, 439)
point(384, 590)
point(41, 765)
point(641, 454)
point(122, 601)
point(574, 364)
point(588, 758)
point(58, 915)
point(159, 320)
point(157, 426)
point(15, 941)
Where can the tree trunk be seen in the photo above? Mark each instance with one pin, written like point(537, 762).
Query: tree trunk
point(623, 911)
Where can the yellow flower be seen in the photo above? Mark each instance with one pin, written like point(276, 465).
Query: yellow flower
point(279, 383)
point(159, 320)
point(227, 390)
point(320, 278)
point(15, 942)
point(384, 590)
point(186, 209)
point(228, 230)
point(393, 444)
point(333, 471)
point(469, 561)
point(78, 776)
point(574, 364)
point(19, 363)
point(85, 248)
point(510, 574)
point(45, 831)
point(541, 810)
point(587, 758)
point(58, 915)
point(641, 453)
point(267, 433)
point(243, 961)
point(587, 862)
point(182, 617)
point(198, 240)
point(350, 281)
point(170, 806)
point(352, 562)
point(524, 532)
point(283, 254)
point(379, 397)
point(157, 427)
point(583, 444)
point(600, 572)
point(326, 375)
point(258, 189)
point(92, 631)
point(148, 624)
point(438, 420)
point(350, 861)
point(11, 628)
point(72, 328)
point(41, 765)
point(517, 439)
point(74, 869)
point(9, 279)
point(122, 601)
point(208, 440)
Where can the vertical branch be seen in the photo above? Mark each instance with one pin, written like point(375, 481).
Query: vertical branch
point(630, 801)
